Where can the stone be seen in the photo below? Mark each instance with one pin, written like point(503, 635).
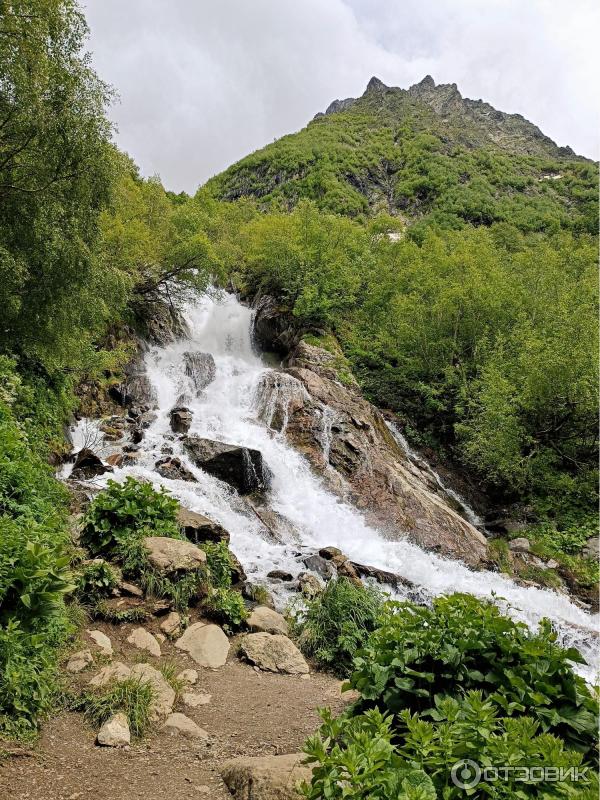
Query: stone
point(206, 644)
point(266, 777)
point(200, 368)
point(198, 528)
point(195, 699)
point(309, 585)
point(117, 671)
point(273, 653)
point(520, 545)
point(329, 553)
point(280, 575)
point(162, 704)
point(102, 640)
point(137, 434)
point(130, 589)
point(173, 555)
point(173, 469)
point(115, 732)
point(115, 459)
point(88, 465)
point(136, 390)
point(188, 676)
point(265, 620)
point(181, 419)
point(180, 724)
point(240, 467)
point(258, 594)
point(316, 563)
point(144, 640)
point(172, 624)
point(79, 661)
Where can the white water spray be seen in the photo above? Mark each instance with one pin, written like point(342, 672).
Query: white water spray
point(234, 409)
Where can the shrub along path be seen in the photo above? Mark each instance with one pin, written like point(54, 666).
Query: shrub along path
point(250, 713)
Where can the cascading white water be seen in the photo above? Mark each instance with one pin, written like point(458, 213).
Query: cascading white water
point(232, 409)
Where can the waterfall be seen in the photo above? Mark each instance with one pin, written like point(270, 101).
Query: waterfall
point(238, 407)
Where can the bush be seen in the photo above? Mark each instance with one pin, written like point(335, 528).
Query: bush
point(131, 696)
point(227, 607)
point(95, 580)
point(126, 512)
point(337, 623)
point(462, 644)
point(219, 563)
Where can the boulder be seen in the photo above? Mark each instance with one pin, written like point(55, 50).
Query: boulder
point(240, 467)
point(173, 555)
point(206, 644)
point(266, 777)
point(176, 724)
point(117, 671)
point(79, 661)
point(164, 695)
point(144, 640)
point(309, 585)
point(200, 368)
point(280, 575)
point(136, 390)
point(198, 528)
point(88, 465)
point(520, 545)
point(115, 732)
point(115, 459)
point(102, 640)
point(320, 565)
point(265, 620)
point(174, 469)
point(171, 625)
point(273, 653)
point(181, 419)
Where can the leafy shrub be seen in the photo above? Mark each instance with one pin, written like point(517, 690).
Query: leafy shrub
point(130, 696)
point(337, 623)
point(226, 606)
point(219, 563)
point(180, 589)
point(126, 512)
point(95, 579)
point(462, 644)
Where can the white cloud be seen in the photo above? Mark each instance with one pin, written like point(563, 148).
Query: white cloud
point(202, 83)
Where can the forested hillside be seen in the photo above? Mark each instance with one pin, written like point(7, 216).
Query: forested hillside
point(444, 252)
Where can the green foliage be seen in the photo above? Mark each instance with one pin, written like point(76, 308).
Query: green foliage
point(179, 589)
point(95, 579)
point(462, 644)
point(130, 696)
point(337, 623)
point(227, 607)
point(219, 563)
point(119, 616)
point(124, 513)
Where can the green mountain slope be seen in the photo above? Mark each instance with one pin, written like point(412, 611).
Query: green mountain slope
point(425, 152)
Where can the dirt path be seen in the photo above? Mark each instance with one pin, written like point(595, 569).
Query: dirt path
point(250, 713)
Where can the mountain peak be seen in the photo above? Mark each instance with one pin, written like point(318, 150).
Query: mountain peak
point(375, 85)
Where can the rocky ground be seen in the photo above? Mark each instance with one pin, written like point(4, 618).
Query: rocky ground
point(243, 711)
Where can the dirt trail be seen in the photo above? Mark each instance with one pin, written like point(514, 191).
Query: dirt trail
point(251, 713)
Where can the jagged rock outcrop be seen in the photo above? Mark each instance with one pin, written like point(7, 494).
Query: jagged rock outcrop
point(198, 528)
point(174, 469)
point(241, 467)
point(88, 465)
point(181, 419)
point(200, 369)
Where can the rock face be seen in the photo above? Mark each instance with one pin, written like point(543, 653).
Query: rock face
point(115, 732)
point(173, 555)
point(200, 368)
point(265, 620)
point(181, 419)
point(334, 426)
point(241, 467)
point(198, 528)
point(266, 777)
point(206, 644)
point(274, 653)
point(87, 465)
point(174, 469)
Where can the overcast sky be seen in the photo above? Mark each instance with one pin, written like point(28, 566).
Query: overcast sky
point(204, 82)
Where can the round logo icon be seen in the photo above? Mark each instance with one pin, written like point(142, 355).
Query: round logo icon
point(466, 774)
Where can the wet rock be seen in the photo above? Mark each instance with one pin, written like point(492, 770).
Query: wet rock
point(146, 419)
point(520, 545)
point(200, 368)
point(180, 724)
point(102, 640)
point(275, 328)
point(309, 585)
point(181, 419)
point(115, 732)
point(144, 640)
point(329, 553)
point(79, 661)
point(136, 390)
point(198, 528)
point(320, 565)
point(265, 620)
point(240, 467)
point(172, 624)
point(174, 469)
point(266, 777)
point(206, 644)
point(115, 459)
point(280, 575)
point(238, 576)
point(173, 555)
point(381, 575)
point(137, 434)
point(117, 671)
point(273, 653)
point(164, 695)
point(257, 594)
point(88, 465)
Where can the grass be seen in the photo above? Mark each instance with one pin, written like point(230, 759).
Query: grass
point(131, 696)
point(170, 670)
